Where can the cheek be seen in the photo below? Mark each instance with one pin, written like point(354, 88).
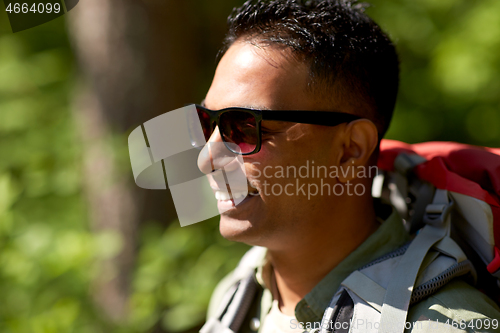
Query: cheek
point(261, 166)
point(288, 151)
point(277, 156)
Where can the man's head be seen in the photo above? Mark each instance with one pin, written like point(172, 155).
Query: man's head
point(352, 63)
point(286, 55)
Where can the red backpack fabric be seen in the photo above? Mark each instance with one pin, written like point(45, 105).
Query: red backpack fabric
point(465, 169)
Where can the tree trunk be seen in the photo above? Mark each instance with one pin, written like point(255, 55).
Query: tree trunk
point(136, 61)
point(110, 46)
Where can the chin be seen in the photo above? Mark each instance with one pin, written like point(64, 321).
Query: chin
point(242, 231)
point(233, 229)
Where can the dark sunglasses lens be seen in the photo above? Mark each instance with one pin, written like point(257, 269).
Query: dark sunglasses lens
point(206, 126)
point(198, 124)
point(240, 128)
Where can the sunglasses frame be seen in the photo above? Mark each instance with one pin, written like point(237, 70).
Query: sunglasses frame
point(324, 118)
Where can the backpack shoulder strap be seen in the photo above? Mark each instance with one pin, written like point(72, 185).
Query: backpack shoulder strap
point(383, 290)
point(234, 302)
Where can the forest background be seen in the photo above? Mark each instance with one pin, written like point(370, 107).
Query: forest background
point(82, 249)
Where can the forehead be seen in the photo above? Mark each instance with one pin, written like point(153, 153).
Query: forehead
point(266, 77)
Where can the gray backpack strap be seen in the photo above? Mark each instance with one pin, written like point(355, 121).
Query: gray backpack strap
point(237, 300)
point(367, 289)
point(234, 311)
point(383, 290)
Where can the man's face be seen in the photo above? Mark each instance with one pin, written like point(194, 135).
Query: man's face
point(270, 78)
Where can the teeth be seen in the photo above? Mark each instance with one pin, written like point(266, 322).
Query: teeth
point(224, 196)
point(221, 195)
point(238, 195)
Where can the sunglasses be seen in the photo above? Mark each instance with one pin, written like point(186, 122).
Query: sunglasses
point(240, 128)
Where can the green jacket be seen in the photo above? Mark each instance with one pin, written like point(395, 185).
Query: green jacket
point(457, 307)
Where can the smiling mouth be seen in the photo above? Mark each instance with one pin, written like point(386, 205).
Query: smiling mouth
point(225, 196)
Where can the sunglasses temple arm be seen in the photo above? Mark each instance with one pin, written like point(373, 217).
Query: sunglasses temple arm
point(310, 117)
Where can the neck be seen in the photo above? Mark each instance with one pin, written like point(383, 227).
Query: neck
point(299, 267)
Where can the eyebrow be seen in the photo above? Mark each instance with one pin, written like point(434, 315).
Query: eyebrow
point(326, 118)
point(262, 108)
point(248, 106)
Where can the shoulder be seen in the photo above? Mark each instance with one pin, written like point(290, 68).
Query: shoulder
point(247, 265)
point(218, 294)
point(457, 307)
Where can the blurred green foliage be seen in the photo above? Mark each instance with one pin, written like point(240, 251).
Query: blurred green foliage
point(176, 273)
point(450, 68)
point(47, 252)
point(450, 83)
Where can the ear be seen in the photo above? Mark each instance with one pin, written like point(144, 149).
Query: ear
point(360, 140)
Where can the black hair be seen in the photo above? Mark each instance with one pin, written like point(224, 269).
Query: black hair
point(352, 61)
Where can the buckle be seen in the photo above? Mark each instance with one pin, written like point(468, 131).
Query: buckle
point(437, 212)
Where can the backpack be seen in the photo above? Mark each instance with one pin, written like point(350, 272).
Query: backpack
point(470, 175)
point(448, 195)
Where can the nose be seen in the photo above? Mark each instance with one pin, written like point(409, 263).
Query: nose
point(215, 155)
